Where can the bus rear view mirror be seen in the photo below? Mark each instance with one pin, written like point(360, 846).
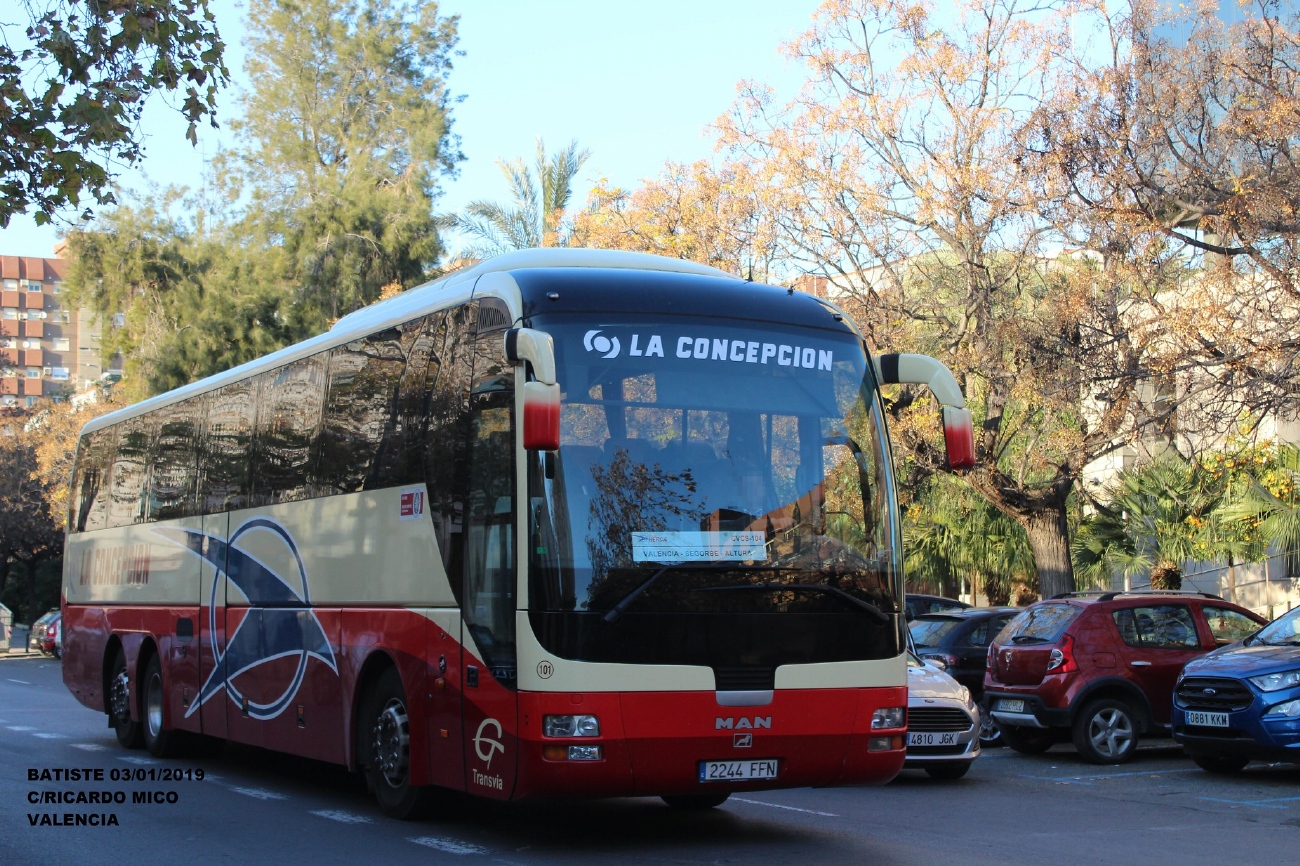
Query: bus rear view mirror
point(541, 396)
point(958, 438)
point(958, 433)
point(541, 416)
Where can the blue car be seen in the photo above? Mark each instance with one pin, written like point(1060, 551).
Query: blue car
point(1242, 701)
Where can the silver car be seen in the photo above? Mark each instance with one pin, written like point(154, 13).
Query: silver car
point(943, 723)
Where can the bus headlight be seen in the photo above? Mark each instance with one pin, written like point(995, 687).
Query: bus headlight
point(570, 726)
point(888, 717)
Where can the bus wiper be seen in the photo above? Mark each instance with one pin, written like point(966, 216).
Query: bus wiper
point(865, 606)
point(616, 611)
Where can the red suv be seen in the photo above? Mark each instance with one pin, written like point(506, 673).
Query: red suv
point(1100, 667)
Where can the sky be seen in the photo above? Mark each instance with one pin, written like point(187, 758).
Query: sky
point(637, 84)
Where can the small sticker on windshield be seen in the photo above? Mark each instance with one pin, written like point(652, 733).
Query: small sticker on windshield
point(698, 546)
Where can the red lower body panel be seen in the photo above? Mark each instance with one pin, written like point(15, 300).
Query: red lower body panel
point(653, 743)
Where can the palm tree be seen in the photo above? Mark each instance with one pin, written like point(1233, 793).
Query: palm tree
point(535, 216)
point(1154, 521)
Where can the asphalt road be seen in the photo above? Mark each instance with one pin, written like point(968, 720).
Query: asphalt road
point(255, 807)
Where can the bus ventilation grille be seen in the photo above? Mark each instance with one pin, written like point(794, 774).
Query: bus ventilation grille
point(744, 679)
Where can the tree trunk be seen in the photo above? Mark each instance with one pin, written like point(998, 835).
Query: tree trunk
point(1050, 540)
point(1166, 576)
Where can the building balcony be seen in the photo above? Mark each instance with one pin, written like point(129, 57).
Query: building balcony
point(9, 385)
point(34, 300)
point(8, 357)
point(11, 298)
point(33, 328)
point(33, 387)
point(9, 327)
point(32, 357)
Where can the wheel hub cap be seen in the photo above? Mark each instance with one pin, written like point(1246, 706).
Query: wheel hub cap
point(1111, 733)
point(121, 697)
point(392, 742)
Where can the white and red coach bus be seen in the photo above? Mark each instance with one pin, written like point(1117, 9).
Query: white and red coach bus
point(568, 522)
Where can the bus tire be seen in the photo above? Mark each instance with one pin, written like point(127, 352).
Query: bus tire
point(160, 742)
point(385, 724)
point(695, 802)
point(129, 733)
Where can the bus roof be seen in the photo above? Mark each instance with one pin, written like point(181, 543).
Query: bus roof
point(456, 287)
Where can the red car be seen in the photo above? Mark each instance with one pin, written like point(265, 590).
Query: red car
point(1100, 668)
point(45, 635)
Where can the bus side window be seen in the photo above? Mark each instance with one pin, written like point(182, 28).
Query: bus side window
point(130, 472)
point(91, 487)
point(288, 422)
point(359, 404)
point(227, 436)
point(445, 412)
point(489, 605)
point(173, 479)
point(399, 458)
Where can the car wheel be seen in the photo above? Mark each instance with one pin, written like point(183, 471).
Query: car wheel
point(129, 733)
point(1106, 732)
point(990, 733)
point(949, 771)
point(386, 724)
point(695, 802)
point(1223, 765)
point(1028, 741)
point(160, 742)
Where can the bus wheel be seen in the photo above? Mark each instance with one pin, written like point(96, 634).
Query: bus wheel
point(695, 802)
point(388, 728)
point(129, 733)
point(160, 742)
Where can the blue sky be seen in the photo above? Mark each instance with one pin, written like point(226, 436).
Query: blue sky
point(635, 83)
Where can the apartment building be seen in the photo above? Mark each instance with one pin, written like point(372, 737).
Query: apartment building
point(47, 349)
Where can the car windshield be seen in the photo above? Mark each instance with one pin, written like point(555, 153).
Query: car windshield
point(732, 463)
point(1285, 630)
point(1042, 623)
point(927, 632)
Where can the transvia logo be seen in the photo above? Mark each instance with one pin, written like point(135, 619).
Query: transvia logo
point(280, 623)
point(595, 341)
point(484, 746)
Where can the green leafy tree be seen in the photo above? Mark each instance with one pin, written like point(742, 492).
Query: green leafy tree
point(1271, 500)
point(1158, 516)
point(535, 216)
point(72, 92)
point(344, 139)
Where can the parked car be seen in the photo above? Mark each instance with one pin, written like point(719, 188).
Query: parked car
point(38, 630)
point(914, 605)
point(959, 640)
point(1242, 701)
point(943, 722)
point(1100, 668)
point(50, 641)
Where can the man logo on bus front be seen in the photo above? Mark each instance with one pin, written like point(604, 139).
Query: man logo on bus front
point(279, 623)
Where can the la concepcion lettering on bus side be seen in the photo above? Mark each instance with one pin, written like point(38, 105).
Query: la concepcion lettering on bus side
point(73, 819)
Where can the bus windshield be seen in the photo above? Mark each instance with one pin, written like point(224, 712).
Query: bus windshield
point(712, 466)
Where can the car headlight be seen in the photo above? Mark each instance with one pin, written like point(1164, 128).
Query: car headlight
point(1290, 708)
point(1273, 682)
point(966, 698)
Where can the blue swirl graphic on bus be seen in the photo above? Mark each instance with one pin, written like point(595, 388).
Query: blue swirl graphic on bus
point(279, 623)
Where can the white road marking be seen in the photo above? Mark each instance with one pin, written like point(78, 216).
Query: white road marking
point(24, 682)
point(790, 808)
point(89, 747)
point(142, 761)
point(51, 736)
point(21, 728)
point(259, 794)
point(343, 817)
point(449, 846)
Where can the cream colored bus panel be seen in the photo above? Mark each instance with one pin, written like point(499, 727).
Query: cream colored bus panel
point(132, 565)
point(876, 673)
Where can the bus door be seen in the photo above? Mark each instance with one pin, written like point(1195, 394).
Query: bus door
point(446, 749)
point(212, 629)
point(488, 672)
